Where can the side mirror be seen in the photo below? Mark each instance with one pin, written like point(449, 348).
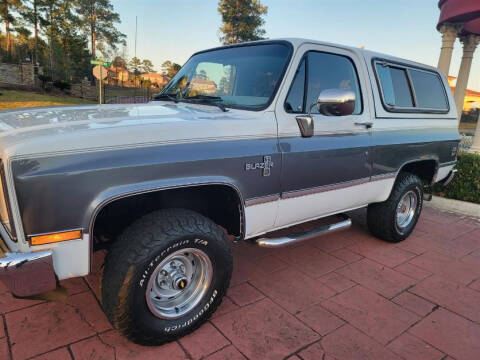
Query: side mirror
point(330, 102)
point(335, 102)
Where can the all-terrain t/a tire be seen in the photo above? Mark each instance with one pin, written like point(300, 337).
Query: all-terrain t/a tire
point(165, 275)
point(394, 219)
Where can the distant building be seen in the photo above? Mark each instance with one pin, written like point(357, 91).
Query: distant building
point(204, 86)
point(119, 75)
point(472, 98)
point(155, 79)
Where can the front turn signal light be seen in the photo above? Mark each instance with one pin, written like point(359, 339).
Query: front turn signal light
point(56, 237)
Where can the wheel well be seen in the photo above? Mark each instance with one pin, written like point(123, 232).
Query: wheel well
point(219, 203)
point(424, 169)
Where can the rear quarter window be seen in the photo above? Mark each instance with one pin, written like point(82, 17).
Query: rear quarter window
point(429, 90)
point(407, 89)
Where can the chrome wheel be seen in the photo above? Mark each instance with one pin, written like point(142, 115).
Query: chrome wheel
point(178, 283)
point(406, 208)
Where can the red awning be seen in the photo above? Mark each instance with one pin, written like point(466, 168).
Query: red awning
point(459, 11)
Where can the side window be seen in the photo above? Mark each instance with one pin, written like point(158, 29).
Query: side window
point(395, 87)
point(322, 71)
point(328, 71)
point(409, 89)
point(429, 90)
point(294, 102)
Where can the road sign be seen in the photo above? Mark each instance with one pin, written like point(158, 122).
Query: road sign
point(100, 62)
point(100, 73)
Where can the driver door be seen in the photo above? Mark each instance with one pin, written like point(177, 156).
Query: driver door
point(323, 174)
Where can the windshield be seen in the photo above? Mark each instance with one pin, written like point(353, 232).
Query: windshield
point(240, 76)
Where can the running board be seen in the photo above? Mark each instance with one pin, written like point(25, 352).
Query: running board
point(307, 235)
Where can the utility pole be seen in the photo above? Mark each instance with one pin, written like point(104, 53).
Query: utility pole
point(136, 71)
point(101, 86)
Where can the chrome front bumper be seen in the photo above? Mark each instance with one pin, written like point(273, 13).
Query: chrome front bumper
point(27, 274)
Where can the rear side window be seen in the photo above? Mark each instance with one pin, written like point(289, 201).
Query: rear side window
point(428, 90)
point(395, 87)
point(407, 89)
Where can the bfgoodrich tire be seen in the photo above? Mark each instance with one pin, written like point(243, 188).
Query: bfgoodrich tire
point(394, 219)
point(166, 275)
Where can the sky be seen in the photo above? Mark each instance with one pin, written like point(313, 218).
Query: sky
point(173, 30)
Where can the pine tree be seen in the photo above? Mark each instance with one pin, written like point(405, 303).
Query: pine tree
point(33, 13)
point(66, 45)
point(7, 11)
point(134, 64)
point(98, 19)
point(170, 68)
point(147, 66)
point(242, 20)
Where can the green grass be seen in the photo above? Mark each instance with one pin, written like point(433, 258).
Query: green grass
point(12, 99)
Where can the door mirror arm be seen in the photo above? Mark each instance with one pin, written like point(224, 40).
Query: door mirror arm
point(306, 123)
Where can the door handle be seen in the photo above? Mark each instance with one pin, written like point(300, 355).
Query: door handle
point(368, 125)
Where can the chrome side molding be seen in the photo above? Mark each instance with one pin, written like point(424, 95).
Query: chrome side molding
point(345, 223)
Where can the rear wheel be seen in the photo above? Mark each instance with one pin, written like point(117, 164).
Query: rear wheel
point(166, 275)
point(394, 219)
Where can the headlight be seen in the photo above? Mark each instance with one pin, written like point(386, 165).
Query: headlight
point(5, 212)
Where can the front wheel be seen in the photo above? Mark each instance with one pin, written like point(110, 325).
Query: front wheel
point(166, 275)
point(394, 219)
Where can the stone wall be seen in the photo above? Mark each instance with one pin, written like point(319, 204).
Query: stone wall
point(85, 90)
point(22, 75)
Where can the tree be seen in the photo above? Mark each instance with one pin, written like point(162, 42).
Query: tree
point(66, 45)
point(7, 9)
point(134, 64)
point(170, 68)
point(98, 19)
point(147, 66)
point(242, 20)
point(119, 62)
point(33, 13)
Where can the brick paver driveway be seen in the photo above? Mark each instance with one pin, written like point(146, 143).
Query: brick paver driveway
point(343, 296)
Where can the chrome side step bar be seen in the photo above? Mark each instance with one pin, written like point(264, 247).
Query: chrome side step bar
point(345, 223)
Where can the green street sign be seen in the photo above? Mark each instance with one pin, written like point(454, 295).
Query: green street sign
point(100, 62)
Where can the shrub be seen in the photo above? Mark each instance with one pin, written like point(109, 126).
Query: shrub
point(466, 183)
point(62, 85)
point(44, 78)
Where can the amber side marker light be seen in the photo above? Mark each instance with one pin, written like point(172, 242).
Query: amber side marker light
point(57, 237)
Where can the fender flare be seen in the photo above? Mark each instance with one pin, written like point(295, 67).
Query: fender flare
point(110, 195)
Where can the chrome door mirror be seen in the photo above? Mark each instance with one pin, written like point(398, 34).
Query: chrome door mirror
point(335, 102)
point(330, 102)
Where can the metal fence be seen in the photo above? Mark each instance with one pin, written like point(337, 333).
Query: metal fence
point(126, 95)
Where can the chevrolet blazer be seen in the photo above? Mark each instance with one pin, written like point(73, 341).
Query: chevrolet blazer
point(243, 141)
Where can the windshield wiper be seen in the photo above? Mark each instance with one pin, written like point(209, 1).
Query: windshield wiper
point(208, 99)
point(203, 97)
point(171, 97)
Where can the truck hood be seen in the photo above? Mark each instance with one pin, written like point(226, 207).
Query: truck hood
point(27, 132)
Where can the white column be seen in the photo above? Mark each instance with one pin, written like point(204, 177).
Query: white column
point(470, 43)
point(476, 138)
point(449, 34)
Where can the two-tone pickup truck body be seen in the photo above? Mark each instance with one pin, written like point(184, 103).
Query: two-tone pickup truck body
point(236, 146)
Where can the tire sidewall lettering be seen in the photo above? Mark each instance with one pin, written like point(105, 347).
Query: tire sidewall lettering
point(194, 318)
